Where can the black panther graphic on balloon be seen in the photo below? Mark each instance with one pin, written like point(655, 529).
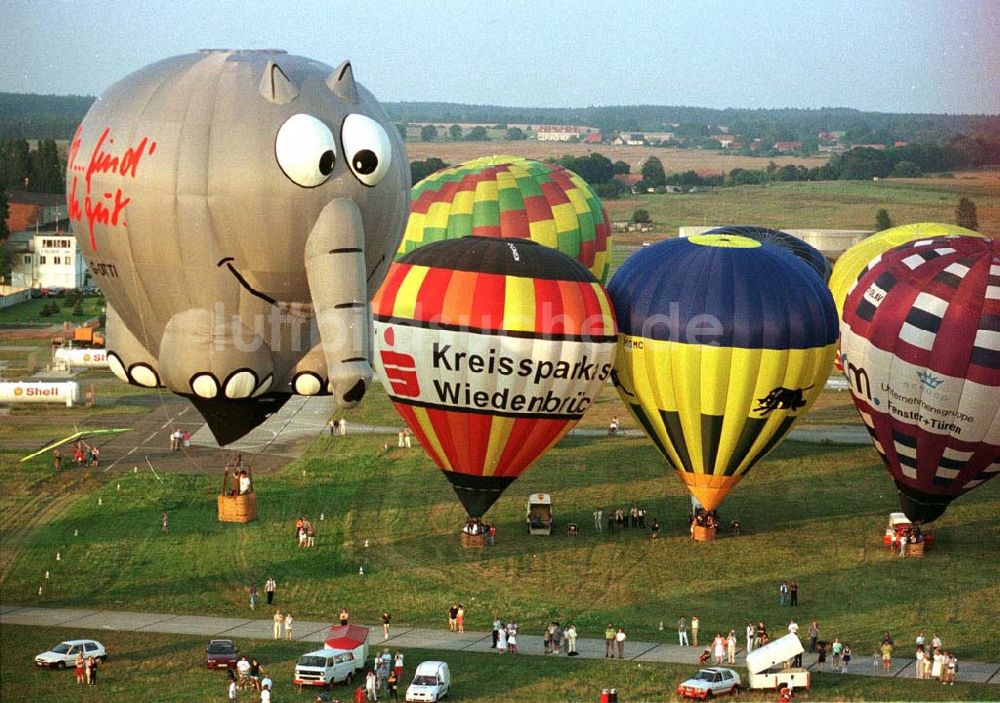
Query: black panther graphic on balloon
point(238, 209)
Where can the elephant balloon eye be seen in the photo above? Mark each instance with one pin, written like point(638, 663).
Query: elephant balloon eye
point(306, 150)
point(367, 148)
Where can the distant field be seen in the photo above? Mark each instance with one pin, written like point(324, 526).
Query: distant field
point(823, 205)
point(674, 160)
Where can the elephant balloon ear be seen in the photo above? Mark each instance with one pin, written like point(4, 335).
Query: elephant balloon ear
point(341, 82)
point(275, 86)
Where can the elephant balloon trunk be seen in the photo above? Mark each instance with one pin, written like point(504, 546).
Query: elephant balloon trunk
point(335, 270)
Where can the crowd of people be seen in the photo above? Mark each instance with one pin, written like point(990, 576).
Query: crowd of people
point(249, 675)
point(83, 454)
point(179, 439)
point(385, 676)
point(558, 640)
point(86, 669)
point(504, 636)
point(305, 532)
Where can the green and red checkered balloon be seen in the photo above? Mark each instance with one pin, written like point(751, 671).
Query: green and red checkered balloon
point(512, 197)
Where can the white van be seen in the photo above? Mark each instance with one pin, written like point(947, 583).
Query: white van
point(765, 664)
point(325, 667)
point(432, 682)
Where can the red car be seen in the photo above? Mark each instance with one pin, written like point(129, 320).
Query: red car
point(221, 654)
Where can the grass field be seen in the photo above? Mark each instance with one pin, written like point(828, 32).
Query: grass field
point(822, 205)
point(149, 666)
point(813, 514)
point(30, 311)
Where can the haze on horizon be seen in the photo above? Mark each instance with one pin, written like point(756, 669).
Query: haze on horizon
point(922, 56)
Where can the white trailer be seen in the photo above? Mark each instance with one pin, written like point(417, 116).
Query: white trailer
point(768, 664)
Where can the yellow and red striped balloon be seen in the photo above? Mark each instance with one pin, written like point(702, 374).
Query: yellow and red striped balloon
point(491, 350)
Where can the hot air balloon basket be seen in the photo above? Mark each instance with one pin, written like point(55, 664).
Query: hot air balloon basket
point(703, 534)
point(238, 508)
point(473, 540)
point(915, 549)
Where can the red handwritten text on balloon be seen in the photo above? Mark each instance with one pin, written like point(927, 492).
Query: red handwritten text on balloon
point(106, 206)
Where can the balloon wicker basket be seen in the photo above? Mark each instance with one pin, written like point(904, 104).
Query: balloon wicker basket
point(473, 540)
point(233, 505)
point(915, 549)
point(238, 508)
point(703, 534)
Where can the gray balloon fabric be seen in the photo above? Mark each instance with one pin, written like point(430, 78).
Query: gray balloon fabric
point(238, 209)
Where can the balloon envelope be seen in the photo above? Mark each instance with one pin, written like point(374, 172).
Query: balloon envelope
point(808, 253)
point(921, 350)
point(851, 264)
point(724, 343)
point(491, 350)
point(238, 208)
point(512, 197)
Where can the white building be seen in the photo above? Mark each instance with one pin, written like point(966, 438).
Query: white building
point(557, 132)
point(47, 259)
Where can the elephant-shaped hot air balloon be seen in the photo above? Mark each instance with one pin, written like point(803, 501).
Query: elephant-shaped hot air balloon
point(805, 251)
point(724, 343)
point(238, 208)
point(491, 350)
point(920, 344)
point(512, 197)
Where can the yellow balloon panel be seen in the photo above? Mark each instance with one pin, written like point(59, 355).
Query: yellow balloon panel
point(715, 411)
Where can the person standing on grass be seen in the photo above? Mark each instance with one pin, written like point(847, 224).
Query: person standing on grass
point(694, 630)
point(609, 641)
point(371, 684)
point(598, 519)
point(782, 593)
point(793, 593)
point(813, 635)
point(92, 677)
point(57, 459)
point(845, 658)
point(886, 650)
point(393, 683)
point(232, 690)
point(682, 632)
point(620, 638)
point(386, 619)
point(397, 665)
point(80, 665)
point(918, 666)
point(731, 647)
point(571, 640)
point(750, 632)
point(269, 587)
point(345, 617)
point(460, 618)
point(836, 648)
point(288, 626)
point(253, 595)
point(496, 629)
point(278, 619)
point(501, 644)
point(718, 648)
point(512, 638)
point(453, 618)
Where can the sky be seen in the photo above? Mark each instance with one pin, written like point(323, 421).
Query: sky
point(938, 56)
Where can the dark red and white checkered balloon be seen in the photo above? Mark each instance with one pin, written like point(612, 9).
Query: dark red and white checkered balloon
point(920, 341)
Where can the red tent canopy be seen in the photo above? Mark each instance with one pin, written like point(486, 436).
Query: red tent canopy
point(346, 636)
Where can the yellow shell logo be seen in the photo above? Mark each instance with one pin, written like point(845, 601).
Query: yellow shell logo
point(86, 357)
point(18, 391)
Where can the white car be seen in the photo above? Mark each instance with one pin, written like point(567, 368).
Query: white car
point(710, 682)
point(432, 682)
point(64, 653)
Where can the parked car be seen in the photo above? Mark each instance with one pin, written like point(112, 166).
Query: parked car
point(221, 654)
point(325, 667)
point(431, 682)
point(64, 653)
point(710, 682)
